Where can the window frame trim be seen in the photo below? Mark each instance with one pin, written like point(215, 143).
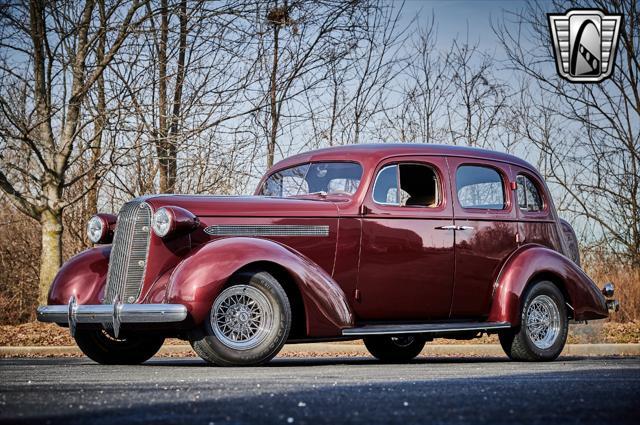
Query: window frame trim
point(508, 208)
point(266, 177)
point(439, 186)
point(375, 183)
point(544, 212)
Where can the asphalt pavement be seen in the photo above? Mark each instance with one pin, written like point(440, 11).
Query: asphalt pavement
point(580, 390)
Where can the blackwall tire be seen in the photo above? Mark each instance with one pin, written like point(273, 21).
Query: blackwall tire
point(248, 323)
point(130, 349)
point(394, 349)
point(544, 325)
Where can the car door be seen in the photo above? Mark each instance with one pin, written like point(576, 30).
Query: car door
point(406, 261)
point(485, 220)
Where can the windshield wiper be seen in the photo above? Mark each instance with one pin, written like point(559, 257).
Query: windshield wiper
point(321, 193)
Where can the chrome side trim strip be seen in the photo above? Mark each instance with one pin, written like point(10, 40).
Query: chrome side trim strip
point(267, 230)
point(423, 328)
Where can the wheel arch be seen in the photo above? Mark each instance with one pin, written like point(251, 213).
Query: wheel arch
point(197, 280)
point(532, 263)
point(288, 283)
point(557, 281)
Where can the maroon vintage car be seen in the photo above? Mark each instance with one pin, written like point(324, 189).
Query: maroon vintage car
point(395, 244)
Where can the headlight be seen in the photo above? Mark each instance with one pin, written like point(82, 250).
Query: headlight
point(162, 222)
point(96, 229)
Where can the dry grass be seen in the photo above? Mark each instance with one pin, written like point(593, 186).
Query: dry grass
point(627, 282)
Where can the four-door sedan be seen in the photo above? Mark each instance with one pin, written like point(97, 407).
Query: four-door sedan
point(395, 244)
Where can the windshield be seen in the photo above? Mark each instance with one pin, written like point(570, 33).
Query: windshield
point(322, 178)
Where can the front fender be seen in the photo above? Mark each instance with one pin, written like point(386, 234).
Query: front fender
point(534, 260)
point(197, 280)
point(83, 275)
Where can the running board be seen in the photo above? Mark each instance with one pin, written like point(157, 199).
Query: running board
point(424, 328)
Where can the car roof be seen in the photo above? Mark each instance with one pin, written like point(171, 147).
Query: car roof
point(372, 154)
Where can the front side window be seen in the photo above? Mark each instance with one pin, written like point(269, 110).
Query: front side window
point(407, 185)
point(529, 198)
point(326, 178)
point(480, 187)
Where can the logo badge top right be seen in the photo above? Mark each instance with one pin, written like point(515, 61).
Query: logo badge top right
point(585, 43)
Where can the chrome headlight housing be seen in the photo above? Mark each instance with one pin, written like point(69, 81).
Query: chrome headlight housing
point(162, 222)
point(96, 229)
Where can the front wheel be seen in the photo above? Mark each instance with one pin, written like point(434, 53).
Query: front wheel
point(394, 349)
point(543, 326)
point(103, 348)
point(248, 324)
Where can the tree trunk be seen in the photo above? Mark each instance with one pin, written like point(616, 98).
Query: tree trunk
point(100, 119)
point(271, 147)
point(51, 254)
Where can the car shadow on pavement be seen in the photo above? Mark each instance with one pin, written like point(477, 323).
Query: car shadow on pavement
point(585, 396)
point(354, 361)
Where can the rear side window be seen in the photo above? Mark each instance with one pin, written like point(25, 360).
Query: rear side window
point(480, 187)
point(529, 198)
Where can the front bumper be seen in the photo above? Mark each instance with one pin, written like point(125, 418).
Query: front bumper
point(111, 314)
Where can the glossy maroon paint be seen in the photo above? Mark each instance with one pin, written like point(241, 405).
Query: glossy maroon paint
point(482, 249)
point(183, 221)
point(83, 276)
point(406, 263)
point(533, 262)
point(109, 222)
point(244, 206)
point(197, 280)
point(378, 263)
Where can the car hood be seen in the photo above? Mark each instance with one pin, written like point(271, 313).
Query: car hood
point(245, 206)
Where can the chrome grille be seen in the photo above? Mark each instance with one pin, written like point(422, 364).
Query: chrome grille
point(129, 253)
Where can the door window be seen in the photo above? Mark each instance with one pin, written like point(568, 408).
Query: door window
point(529, 198)
point(480, 187)
point(407, 185)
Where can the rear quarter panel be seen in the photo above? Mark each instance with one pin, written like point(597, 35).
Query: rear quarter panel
point(533, 262)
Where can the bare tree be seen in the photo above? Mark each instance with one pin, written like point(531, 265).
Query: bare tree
point(302, 39)
point(41, 106)
point(588, 134)
point(425, 92)
point(480, 99)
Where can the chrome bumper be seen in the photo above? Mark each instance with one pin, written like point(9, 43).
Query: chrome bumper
point(111, 314)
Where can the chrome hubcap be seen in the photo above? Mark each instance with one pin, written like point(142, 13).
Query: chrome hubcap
point(402, 341)
point(543, 322)
point(241, 317)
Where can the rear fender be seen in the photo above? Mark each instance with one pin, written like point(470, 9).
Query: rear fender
point(198, 279)
point(533, 261)
point(84, 276)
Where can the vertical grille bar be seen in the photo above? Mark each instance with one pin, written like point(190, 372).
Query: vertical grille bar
point(128, 260)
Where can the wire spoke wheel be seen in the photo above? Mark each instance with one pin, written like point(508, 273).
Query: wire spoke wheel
point(543, 321)
point(242, 317)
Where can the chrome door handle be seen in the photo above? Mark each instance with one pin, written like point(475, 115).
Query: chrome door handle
point(452, 227)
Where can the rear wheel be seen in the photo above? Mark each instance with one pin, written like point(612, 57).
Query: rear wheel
point(100, 346)
point(394, 349)
point(248, 324)
point(543, 326)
